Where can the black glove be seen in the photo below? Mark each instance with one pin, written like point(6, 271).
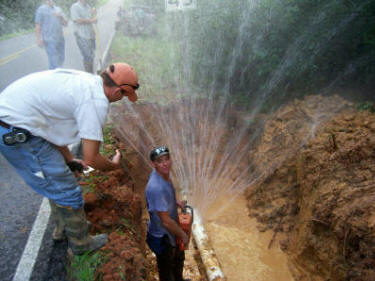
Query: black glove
point(75, 166)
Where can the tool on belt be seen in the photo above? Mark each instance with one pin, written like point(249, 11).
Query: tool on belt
point(17, 135)
point(185, 217)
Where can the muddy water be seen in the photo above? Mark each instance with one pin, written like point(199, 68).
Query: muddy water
point(241, 249)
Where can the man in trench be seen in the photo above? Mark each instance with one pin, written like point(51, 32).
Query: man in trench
point(40, 115)
point(163, 227)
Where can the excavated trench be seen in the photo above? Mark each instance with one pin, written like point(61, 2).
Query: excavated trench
point(309, 216)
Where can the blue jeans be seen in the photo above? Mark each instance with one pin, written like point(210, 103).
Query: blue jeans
point(56, 53)
point(43, 168)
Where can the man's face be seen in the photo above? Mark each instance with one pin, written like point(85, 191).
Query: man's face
point(163, 164)
point(50, 3)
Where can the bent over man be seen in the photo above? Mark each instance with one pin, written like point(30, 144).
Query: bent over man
point(42, 113)
point(163, 226)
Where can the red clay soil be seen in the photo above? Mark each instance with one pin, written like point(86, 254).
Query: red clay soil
point(321, 193)
point(114, 208)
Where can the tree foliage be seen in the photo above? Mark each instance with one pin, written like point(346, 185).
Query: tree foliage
point(260, 48)
point(17, 15)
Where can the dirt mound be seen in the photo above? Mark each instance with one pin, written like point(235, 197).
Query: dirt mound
point(320, 188)
point(113, 207)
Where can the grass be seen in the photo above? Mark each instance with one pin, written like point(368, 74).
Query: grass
point(15, 34)
point(83, 267)
point(155, 58)
point(366, 106)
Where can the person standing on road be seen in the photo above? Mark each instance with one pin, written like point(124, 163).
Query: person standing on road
point(163, 226)
point(53, 109)
point(49, 22)
point(84, 17)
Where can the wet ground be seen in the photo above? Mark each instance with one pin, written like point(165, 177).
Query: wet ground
point(241, 249)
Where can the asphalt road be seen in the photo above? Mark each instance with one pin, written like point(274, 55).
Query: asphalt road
point(24, 215)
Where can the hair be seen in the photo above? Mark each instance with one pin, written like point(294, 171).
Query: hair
point(107, 80)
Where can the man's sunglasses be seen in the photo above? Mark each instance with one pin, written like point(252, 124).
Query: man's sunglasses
point(134, 87)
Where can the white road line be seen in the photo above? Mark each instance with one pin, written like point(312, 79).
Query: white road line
point(30, 253)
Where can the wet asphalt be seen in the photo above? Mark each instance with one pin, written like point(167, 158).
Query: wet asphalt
point(19, 204)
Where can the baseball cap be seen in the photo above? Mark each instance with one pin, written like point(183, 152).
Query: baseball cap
point(158, 152)
point(125, 77)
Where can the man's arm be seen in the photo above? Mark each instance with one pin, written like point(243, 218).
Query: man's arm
point(93, 158)
point(173, 227)
point(69, 157)
point(62, 18)
point(64, 150)
point(38, 34)
point(78, 19)
point(86, 21)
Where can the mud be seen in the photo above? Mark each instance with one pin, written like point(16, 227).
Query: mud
point(314, 164)
point(322, 192)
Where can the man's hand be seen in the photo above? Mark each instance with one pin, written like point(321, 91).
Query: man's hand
point(181, 203)
point(77, 166)
point(117, 158)
point(40, 42)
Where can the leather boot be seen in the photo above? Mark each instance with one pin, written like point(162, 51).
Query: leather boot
point(77, 231)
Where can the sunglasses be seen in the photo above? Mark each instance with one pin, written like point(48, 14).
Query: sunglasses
point(123, 92)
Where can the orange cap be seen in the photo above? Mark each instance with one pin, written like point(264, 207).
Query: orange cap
point(125, 77)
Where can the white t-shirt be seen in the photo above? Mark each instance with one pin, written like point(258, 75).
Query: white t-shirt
point(61, 105)
point(82, 11)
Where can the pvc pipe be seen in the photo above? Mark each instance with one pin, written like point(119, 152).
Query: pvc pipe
point(207, 254)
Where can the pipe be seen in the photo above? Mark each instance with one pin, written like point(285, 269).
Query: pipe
point(207, 254)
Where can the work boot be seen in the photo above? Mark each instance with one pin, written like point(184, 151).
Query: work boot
point(77, 231)
point(58, 234)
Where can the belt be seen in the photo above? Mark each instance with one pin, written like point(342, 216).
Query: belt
point(5, 125)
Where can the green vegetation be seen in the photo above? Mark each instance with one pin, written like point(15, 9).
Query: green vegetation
point(17, 16)
point(83, 267)
point(260, 53)
point(366, 106)
point(20, 32)
point(151, 57)
point(260, 49)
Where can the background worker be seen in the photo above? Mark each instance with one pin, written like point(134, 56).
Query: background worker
point(163, 226)
point(49, 22)
point(83, 17)
point(42, 113)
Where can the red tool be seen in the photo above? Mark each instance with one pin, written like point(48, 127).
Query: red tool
point(185, 219)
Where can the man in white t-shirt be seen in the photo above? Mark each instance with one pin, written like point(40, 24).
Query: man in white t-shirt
point(44, 112)
point(84, 17)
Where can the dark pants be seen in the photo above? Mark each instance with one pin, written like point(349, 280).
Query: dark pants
point(87, 48)
point(171, 264)
point(170, 259)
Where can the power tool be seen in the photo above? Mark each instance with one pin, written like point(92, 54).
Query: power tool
point(185, 218)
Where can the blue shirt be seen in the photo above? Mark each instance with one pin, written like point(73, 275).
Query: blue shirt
point(160, 197)
point(52, 29)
